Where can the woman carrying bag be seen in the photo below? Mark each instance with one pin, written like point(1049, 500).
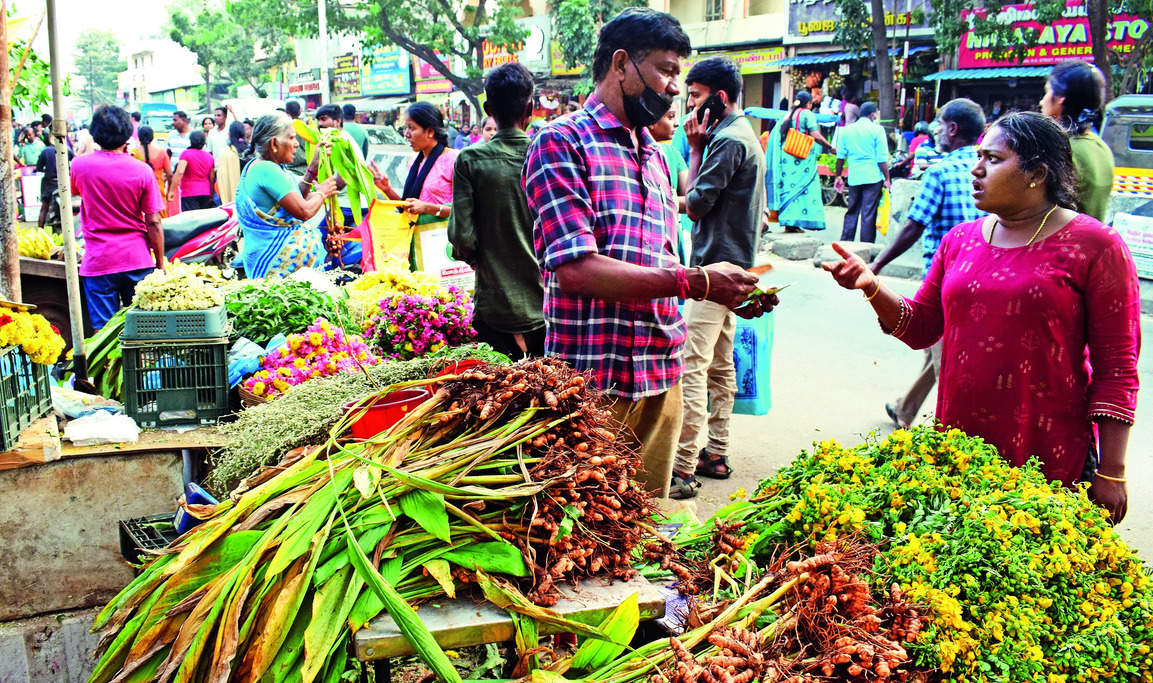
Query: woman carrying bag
point(795, 191)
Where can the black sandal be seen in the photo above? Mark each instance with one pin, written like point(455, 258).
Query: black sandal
point(711, 467)
point(683, 489)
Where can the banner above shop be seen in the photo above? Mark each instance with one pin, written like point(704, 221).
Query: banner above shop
point(559, 68)
point(1066, 38)
point(385, 71)
point(757, 61)
point(815, 21)
point(533, 52)
point(428, 79)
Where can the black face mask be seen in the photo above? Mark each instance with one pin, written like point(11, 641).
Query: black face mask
point(647, 108)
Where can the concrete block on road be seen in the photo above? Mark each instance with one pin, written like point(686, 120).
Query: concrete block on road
point(866, 250)
point(903, 270)
point(795, 247)
point(48, 648)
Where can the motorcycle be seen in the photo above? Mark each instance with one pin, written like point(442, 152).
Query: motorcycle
point(203, 236)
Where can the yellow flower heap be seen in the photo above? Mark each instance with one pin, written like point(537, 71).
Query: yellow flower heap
point(1021, 580)
point(32, 333)
point(390, 278)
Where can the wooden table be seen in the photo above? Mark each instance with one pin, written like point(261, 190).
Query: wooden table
point(463, 623)
point(40, 443)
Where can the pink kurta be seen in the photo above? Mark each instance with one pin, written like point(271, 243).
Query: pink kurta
point(1021, 328)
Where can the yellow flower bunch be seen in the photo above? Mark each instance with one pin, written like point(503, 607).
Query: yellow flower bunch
point(32, 333)
point(1021, 580)
point(390, 277)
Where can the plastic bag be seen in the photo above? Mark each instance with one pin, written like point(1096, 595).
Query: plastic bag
point(752, 352)
point(244, 357)
point(102, 427)
point(68, 402)
point(883, 213)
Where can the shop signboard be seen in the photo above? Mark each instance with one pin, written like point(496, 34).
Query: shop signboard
point(1066, 38)
point(346, 75)
point(385, 70)
point(428, 79)
point(815, 21)
point(1137, 231)
point(306, 88)
point(533, 52)
point(559, 68)
point(757, 61)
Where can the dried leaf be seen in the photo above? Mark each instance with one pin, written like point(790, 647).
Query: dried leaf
point(440, 570)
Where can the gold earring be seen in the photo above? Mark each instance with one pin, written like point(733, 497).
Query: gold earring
point(1032, 184)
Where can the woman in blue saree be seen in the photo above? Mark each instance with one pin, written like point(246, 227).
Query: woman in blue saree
point(272, 206)
point(795, 187)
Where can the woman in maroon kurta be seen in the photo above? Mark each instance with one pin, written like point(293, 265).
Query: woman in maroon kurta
point(1039, 310)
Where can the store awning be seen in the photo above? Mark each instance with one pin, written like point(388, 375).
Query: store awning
point(834, 57)
point(376, 103)
point(992, 72)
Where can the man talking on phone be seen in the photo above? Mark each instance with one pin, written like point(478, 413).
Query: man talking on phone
point(725, 200)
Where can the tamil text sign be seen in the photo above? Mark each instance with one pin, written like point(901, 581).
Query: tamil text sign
point(428, 79)
point(346, 75)
point(1066, 38)
point(815, 21)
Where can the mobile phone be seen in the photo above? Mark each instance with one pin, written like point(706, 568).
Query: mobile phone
point(714, 106)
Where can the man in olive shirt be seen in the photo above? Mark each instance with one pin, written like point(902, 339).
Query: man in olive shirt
point(491, 228)
point(725, 200)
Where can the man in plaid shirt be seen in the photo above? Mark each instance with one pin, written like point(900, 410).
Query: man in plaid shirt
point(605, 234)
point(945, 200)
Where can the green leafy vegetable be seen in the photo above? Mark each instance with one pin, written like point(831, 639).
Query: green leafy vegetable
point(261, 309)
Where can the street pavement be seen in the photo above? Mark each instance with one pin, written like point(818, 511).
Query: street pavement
point(832, 372)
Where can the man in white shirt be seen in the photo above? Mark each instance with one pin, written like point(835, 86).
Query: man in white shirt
point(178, 138)
point(218, 134)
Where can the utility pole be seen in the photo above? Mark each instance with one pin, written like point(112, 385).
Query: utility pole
point(9, 247)
point(322, 21)
point(91, 87)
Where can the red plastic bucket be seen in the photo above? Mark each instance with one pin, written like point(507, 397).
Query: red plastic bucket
point(385, 411)
point(458, 367)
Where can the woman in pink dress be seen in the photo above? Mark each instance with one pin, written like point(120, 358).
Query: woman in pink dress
point(1039, 310)
point(428, 187)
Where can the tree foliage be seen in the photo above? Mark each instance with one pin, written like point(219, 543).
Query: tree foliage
point(251, 50)
point(204, 34)
point(576, 24)
point(33, 90)
point(428, 29)
point(97, 64)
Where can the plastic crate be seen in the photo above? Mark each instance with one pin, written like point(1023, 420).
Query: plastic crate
point(146, 533)
point(175, 382)
point(25, 394)
point(159, 325)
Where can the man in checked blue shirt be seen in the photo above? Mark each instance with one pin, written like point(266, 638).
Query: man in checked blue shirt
point(946, 199)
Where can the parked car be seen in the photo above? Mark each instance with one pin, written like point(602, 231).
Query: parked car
point(1128, 130)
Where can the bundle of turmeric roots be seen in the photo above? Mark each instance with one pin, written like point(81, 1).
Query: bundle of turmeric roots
point(829, 626)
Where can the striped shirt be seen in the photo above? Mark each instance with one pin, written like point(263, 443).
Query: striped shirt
point(589, 192)
point(946, 199)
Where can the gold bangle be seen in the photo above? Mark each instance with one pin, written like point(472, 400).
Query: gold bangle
point(707, 284)
point(875, 292)
point(1106, 477)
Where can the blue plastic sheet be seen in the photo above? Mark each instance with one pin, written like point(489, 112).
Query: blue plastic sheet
point(244, 357)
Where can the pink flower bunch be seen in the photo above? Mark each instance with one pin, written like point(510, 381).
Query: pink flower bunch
point(412, 325)
point(320, 351)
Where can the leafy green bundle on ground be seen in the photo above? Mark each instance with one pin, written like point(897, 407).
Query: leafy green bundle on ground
point(261, 309)
point(1021, 580)
point(263, 433)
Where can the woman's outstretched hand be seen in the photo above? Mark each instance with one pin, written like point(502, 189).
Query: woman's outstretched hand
point(851, 272)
